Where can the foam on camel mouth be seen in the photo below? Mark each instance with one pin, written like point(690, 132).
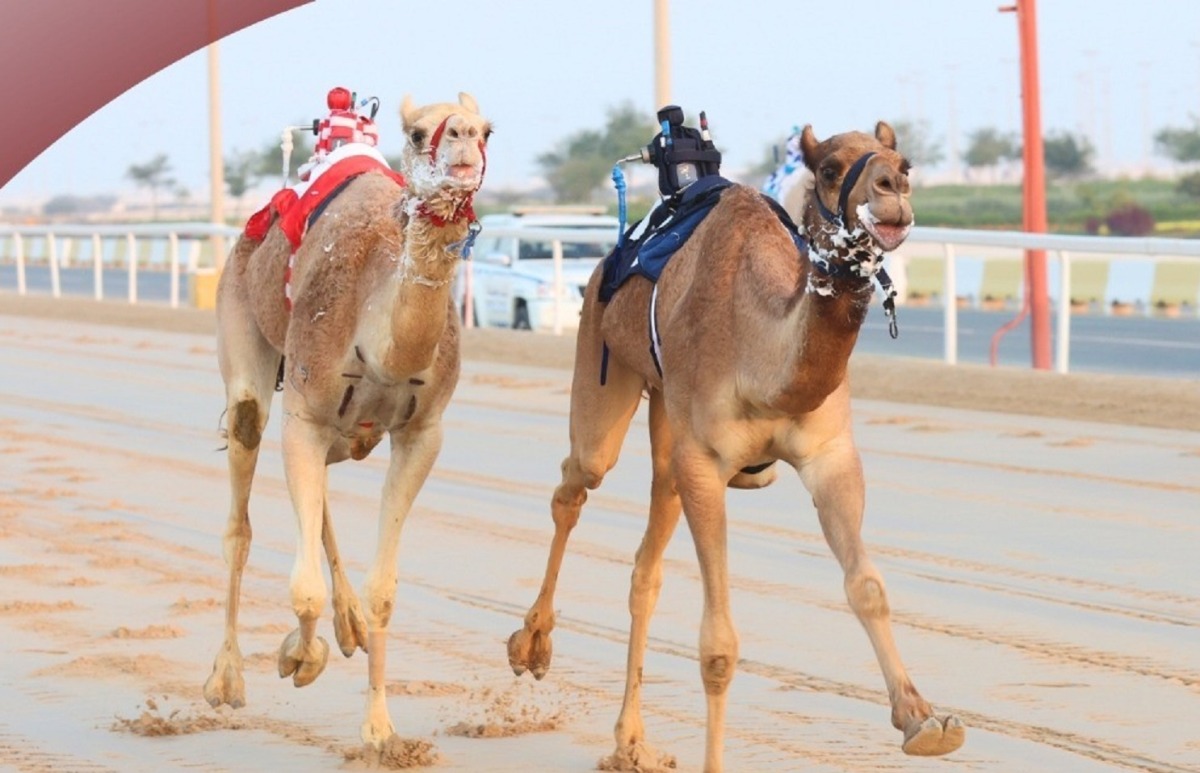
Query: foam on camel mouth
point(466, 172)
point(888, 236)
point(461, 176)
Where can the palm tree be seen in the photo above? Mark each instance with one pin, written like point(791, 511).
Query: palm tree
point(154, 174)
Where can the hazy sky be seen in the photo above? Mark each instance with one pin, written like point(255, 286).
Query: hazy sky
point(1115, 69)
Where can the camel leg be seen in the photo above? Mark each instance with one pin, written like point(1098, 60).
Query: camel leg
point(303, 654)
point(633, 753)
point(349, 624)
point(835, 480)
point(248, 367)
point(702, 490)
point(600, 417)
point(412, 457)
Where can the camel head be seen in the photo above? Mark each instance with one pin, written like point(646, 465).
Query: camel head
point(445, 154)
point(859, 204)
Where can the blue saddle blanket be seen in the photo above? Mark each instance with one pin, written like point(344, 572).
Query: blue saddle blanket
point(649, 243)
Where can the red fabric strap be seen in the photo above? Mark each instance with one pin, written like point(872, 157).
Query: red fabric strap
point(295, 220)
point(436, 140)
point(260, 222)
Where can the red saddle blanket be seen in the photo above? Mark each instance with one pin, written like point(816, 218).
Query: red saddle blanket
point(295, 209)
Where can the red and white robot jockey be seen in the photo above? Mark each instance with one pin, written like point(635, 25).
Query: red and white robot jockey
point(342, 126)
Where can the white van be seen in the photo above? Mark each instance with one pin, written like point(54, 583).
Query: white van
point(512, 272)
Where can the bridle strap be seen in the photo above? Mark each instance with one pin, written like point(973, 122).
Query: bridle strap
point(463, 210)
point(848, 183)
point(436, 139)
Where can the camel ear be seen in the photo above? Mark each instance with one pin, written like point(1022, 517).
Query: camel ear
point(886, 135)
point(407, 111)
point(468, 101)
point(808, 146)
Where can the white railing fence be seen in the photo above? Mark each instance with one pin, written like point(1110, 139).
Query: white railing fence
point(56, 241)
point(1064, 248)
point(181, 246)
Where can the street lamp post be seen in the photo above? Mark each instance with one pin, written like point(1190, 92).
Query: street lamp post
point(215, 162)
point(662, 56)
point(1036, 286)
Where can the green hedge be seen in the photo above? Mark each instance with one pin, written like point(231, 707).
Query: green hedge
point(1068, 205)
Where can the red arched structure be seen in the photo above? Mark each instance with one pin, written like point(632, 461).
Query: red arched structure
point(61, 61)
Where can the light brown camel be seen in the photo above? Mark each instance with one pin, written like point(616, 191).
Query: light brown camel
point(370, 348)
point(755, 338)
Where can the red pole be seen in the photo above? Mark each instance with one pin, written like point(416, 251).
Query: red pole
point(1038, 298)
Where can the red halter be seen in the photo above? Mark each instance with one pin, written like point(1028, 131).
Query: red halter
point(464, 210)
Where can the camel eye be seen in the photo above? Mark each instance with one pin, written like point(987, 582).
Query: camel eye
point(905, 166)
point(417, 137)
point(487, 134)
point(829, 174)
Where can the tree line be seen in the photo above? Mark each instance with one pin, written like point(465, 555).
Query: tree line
point(578, 167)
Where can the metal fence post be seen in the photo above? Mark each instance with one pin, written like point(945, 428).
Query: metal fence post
point(558, 285)
point(950, 305)
point(52, 257)
point(97, 267)
point(173, 254)
point(19, 241)
point(132, 258)
point(1062, 353)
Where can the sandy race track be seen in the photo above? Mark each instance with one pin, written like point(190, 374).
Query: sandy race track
point(1042, 572)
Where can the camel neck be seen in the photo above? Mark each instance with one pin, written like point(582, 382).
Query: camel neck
point(432, 247)
point(819, 329)
point(823, 331)
point(419, 296)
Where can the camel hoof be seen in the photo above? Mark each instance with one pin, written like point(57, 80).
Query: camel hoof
point(530, 650)
point(225, 684)
point(302, 664)
point(934, 736)
point(349, 627)
point(375, 733)
point(639, 757)
point(395, 752)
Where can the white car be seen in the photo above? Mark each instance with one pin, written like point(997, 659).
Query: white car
point(512, 273)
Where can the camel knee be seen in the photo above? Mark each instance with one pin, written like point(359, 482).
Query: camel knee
point(379, 595)
point(246, 423)
point(866, 594)
point(585, 472)
point(718, 657)
point(717, 672)
point(568, 500)
point(644, 587)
